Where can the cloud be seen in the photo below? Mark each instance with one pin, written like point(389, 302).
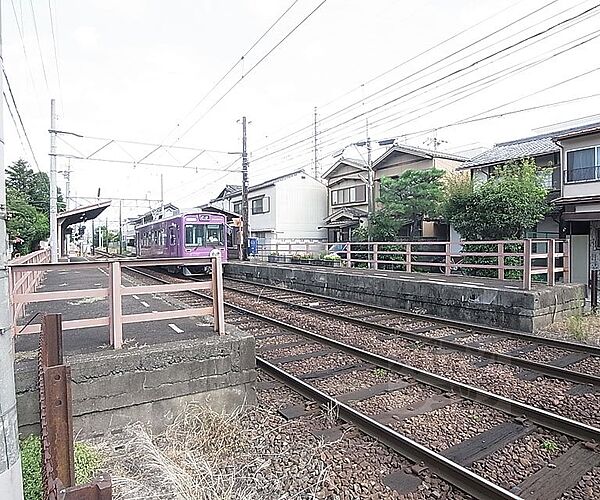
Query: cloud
point(86, 37)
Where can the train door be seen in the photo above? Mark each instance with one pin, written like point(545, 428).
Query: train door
point(173, 240)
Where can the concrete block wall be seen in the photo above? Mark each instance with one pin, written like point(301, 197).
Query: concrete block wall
point(485, 304)
point(152, 384)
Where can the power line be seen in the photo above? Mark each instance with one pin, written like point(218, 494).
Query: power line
point(12, 96)
point(442, 59)
point(37, 36)
point(440, 79)
point(251, 69)
point(14, 122)
point(55, 46)
point(228, 72)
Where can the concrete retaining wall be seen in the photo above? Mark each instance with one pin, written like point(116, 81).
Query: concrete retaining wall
point(473, 300)
point(112, 389)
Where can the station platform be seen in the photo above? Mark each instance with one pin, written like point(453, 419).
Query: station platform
point(88, 340)
point(488, 302)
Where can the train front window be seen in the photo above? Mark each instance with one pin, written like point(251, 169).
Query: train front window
point(214, 234)
point(194, 235)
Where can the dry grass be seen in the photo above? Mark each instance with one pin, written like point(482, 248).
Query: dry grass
point(205, 455)
point(581, 328)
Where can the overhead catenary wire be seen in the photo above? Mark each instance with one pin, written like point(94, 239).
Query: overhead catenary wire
point(232, 67)
point(437, 80)
point(12, 116)
point(37, 36)
point(444, 58)
point(55, 47)
point(237, 82)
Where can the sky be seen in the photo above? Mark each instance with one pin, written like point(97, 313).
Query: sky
point(141, 71)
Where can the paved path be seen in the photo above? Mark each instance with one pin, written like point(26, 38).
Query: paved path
point(92, 339)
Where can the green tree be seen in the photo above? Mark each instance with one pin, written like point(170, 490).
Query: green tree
point(512, 201)
point(26, 226)
point(406, 200)
point(33, 187)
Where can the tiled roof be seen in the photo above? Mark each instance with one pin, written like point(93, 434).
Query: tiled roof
point(514, 150)
point(421, 152)
point(590, 128)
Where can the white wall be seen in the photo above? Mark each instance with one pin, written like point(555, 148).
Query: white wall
point(301, 208)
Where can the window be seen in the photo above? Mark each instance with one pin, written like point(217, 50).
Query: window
point(194, 235)
point(260, 205)
point(237, 207)
point(583, 164)
point(214, 234)
point(355, 194)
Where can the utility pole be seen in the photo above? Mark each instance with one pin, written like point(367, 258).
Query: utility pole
point(370, 187)
point(162, 197)
point(10, 465)
point(107, 238)
point(121, 226)
point(316, 149)
point(53, 208)
point(67, 175)
point(244, 192)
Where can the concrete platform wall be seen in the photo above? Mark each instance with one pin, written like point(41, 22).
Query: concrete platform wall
point(498, 307)
point(112, 389)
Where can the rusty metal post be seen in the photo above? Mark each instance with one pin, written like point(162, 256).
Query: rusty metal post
point(594, 288)
point(51, 340)
point(99, 489)
point(59, 421)
point(115, 307)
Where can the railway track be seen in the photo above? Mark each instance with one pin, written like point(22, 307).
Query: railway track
point(483, 443)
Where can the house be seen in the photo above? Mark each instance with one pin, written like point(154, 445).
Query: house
point(168, 210)
point(544, 152)
point(288, 207)
point(347, 202)
point(580, 196)
point(347, 182)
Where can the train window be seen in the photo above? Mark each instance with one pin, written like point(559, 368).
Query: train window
point(214, 234)
point(194, 235)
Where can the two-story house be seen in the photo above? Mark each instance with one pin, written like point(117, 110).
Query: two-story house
point(347, 182)
point(546, 155)
point(288, 207)
point(580, 197)
point(347, 185)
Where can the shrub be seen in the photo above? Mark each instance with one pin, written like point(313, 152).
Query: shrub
point(87, 465)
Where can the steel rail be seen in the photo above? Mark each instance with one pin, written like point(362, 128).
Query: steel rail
point(539, 416)
point(546, 369)
point(455, 474)
point(475, 328)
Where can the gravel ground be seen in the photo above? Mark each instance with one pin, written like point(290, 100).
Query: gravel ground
point(291, 351)
point(587, 488)
point(276, 339)
point(505, 345)
point(333, 360)
point(588, 333)
point(396, 399)
point(589, 365)
point(518, 460)
point(548, 393)
point(355, 380)
point(545, 354)
point(448, 426)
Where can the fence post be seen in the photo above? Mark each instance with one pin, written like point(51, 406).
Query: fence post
point(566, 261)
point(348, 255)
point(448, 260)
point(501, 263)
point(114, 300)
point(594, 288)
point(375, 264)
point(551, 262)
point(408, 265)
point(527, 264)
point(217, 287)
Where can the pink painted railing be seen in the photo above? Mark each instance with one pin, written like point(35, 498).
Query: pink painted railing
point(115, 291)
point(25, 281)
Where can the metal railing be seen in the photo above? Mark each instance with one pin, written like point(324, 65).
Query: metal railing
point(543, 260)
point(115, 291)
point(26, 281)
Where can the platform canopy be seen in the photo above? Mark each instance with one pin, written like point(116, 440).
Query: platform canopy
point(81, 214)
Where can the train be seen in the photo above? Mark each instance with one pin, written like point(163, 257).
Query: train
point(192, 234)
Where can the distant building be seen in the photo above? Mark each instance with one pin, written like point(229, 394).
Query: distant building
point(580, 196)
point(288, 207)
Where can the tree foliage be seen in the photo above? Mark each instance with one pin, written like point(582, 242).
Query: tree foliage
point(28, 203)
point(512, 201)
point(405, 201)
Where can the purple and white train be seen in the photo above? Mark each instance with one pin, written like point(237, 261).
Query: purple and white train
point(193, 234)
